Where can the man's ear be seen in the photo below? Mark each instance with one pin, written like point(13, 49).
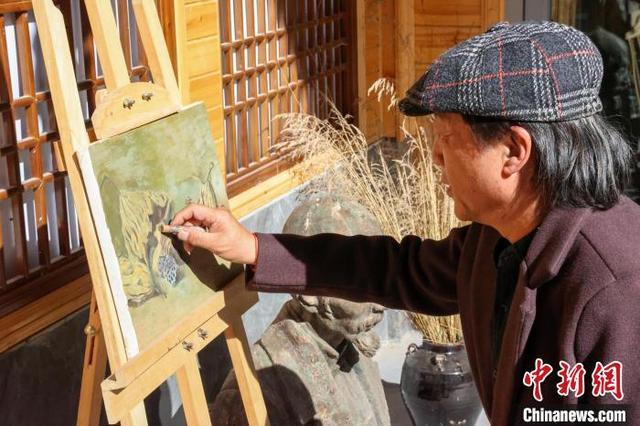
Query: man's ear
point(518, 145)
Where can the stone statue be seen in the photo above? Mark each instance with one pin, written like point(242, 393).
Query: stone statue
point(314, 361)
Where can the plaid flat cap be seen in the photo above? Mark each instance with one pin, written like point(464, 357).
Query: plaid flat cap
point(529, 71)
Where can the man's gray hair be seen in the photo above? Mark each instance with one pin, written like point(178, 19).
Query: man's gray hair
point(584, 162)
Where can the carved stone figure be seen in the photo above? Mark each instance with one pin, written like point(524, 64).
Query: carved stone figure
point(314, 361)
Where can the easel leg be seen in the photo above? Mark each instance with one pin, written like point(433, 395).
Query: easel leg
point(137, 417)
point(245, 373)
point(95, 363)
point(194, 401)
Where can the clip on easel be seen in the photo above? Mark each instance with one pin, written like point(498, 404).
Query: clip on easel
point(176, 351)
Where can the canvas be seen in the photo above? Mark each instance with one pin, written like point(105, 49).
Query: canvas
point(135, 183)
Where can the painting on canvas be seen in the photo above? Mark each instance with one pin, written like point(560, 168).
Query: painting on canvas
point(135, 183)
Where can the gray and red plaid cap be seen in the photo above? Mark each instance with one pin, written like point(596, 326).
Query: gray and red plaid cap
point(529, 71)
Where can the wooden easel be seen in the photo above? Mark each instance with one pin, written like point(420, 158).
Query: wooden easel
point(175, 352)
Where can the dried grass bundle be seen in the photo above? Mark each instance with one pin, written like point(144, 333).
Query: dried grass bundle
point(403, 193)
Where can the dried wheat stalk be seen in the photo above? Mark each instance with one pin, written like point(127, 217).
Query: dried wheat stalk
point(404, 194)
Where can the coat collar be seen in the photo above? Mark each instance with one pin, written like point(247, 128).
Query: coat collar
point(552, 242)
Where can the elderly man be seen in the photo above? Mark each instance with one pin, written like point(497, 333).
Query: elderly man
point(546, 278)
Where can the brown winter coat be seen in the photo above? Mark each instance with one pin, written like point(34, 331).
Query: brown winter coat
point(577, 298)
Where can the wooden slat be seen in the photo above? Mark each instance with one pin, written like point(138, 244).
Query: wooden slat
point(225, 26)
point(61, 215)
point(388, 118)
point(123, 30)
point(262, 77)
point(198, 19)
point(310, 43)
point(203, 88)
point(333, 55)
point(22, 290)
point(7, 133)
point(322, 61)
point(246, 378)
point(377, 46)
point(103, 25)
point(89, 57)
point(20, 250)
point(459, 20)
point(199, 59)
point(19, 325)
point(244, 202)
point(261, 170)
point(448, 8)
point(346, 85)
point(361, 57)
point(274, 105)
point(426, 54)
point(50, 134)
point(493, 12)
point(241, 130)
point(292, 46)
point(9, 6)
point(181, 62)
point(192, 393)
point(231, 161)
point(206, 87)
point(281, 14)
point(442, 36)
point(253, 131)
point(167, 13)
point(31, 112)
point(216, 119)
point(143, 58)
point(65, 7)
point(93, 370)
point(301, 44)
point(405, 50)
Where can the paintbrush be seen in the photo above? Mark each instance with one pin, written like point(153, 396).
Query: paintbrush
point(172, 229)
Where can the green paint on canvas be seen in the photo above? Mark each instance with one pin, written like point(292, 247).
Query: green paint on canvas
point(145, 176)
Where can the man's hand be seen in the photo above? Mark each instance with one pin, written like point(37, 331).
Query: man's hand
point(225, 236)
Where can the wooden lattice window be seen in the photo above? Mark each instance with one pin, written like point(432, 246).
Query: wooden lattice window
point(280, 56)
point(39, 237)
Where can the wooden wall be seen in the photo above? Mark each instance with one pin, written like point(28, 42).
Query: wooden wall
point(402, 37)
point(442, 24)
point(199, 71)
point(376, 59)
point(397, 39)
